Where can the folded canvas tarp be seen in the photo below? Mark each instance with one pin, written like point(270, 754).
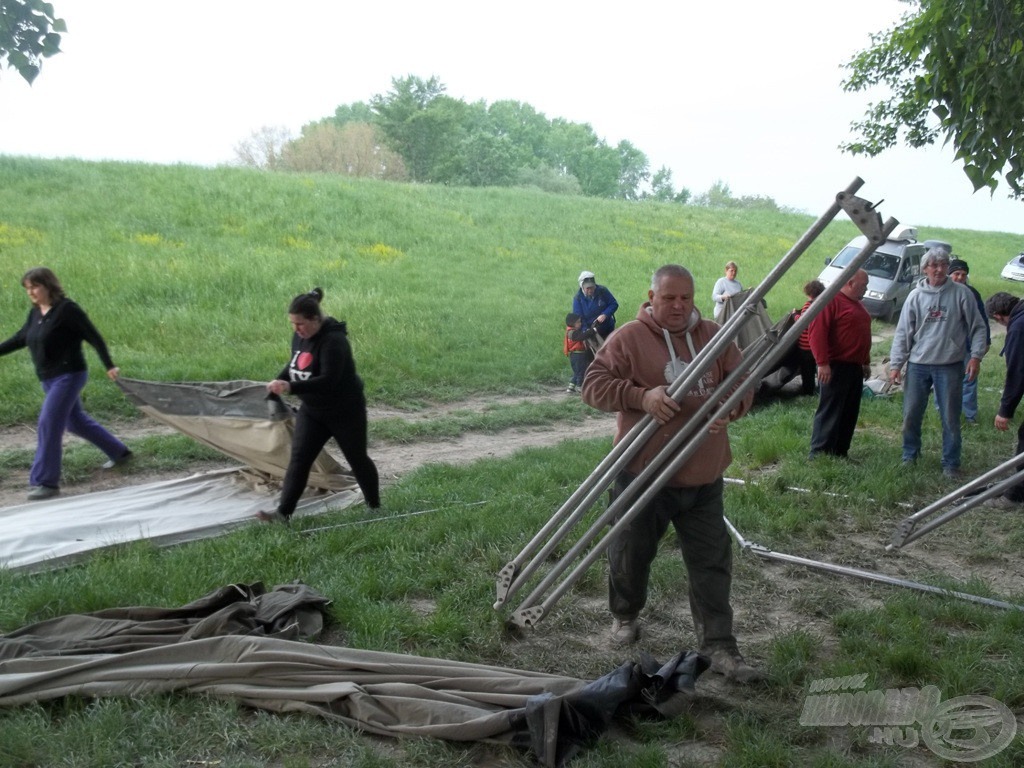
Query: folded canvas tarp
point(230, 646)
point(757, 325)
point(236, 418)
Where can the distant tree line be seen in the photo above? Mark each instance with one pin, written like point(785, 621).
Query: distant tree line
point(415, 132)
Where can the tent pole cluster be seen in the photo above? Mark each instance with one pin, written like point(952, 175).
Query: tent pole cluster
point(967, 497)
point(757, 360)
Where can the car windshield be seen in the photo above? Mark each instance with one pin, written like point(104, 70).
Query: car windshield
point(882, 265)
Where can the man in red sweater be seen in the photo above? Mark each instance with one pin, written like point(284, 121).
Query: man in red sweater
point(840, 339)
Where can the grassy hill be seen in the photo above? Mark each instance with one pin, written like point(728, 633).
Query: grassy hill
point(188, 271)
point(450, 292)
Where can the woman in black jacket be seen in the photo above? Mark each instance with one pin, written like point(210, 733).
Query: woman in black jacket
point(322, 374)
point(54, 332)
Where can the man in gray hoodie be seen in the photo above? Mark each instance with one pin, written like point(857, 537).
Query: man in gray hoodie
point(938, 322)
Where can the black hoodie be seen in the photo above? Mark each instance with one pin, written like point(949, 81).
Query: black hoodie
point(322, 371)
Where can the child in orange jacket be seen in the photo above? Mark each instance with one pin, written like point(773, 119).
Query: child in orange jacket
point(577, 349)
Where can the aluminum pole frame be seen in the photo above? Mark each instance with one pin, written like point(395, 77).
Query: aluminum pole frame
point(844, 570)
point(514, 574)
point(977, 492)
point(529, 613)
point(770, 349)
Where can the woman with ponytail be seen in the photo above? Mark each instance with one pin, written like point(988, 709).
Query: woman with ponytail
point(322, 375)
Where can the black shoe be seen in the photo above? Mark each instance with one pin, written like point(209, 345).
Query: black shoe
point(124, 458)
point(271, 517)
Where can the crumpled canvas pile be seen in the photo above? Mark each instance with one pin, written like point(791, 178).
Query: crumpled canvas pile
point(249, 644)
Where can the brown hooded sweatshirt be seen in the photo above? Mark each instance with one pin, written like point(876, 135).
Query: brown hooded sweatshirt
point(634, 360)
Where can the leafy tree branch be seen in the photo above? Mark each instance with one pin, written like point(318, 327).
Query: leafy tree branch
point(29, 32)
point(953, 68)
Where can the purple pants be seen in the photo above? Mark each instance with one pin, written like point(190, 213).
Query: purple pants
point(62, 412)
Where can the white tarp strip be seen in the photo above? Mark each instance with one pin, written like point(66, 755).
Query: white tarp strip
point(47, 534)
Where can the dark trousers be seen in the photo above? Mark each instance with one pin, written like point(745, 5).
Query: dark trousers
point(62, 412)
point(580, 361)
point(838, 409)
point(808, 371)
point(1016, 493)
point(312, 431)
point(697, 516)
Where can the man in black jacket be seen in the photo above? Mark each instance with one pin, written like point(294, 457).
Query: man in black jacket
point(1009, 311)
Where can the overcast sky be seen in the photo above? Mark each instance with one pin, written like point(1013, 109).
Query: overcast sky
point(746, 92)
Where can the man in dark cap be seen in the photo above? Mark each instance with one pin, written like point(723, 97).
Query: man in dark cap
point(958, 271)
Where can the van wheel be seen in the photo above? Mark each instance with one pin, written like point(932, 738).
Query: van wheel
point(891, 313)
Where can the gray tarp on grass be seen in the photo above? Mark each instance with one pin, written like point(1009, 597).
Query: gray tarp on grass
point(42, 535)
point(233, 417)
point(230, 644)
point(236, 418)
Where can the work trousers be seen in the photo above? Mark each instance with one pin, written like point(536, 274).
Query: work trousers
point(312, 431)
point(838, 409)
point(697, 515)
point(1016, 493)
point(63, 412)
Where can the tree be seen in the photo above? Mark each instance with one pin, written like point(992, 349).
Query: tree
point(953, 68)
point(634, 169)
point(356, 112)
point(662, 189)
point(417, 123)
point(263, 149)
point(29, 32)
point(574, 149)
point(354, 149)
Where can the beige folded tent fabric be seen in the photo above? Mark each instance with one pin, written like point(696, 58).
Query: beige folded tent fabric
point(388, 694)
point(236, 418)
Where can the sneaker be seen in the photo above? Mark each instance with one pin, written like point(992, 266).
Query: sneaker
point(972, 422)
point(625, 631)
point(571, 388)
point(124, 458)
point(40, 492)
point(272, 516)
point(953, 473)
point(730, 664)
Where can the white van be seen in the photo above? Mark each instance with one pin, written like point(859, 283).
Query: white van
point(892, 270)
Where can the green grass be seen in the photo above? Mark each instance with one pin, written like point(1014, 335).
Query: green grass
point(448, 292)
point(452, 293)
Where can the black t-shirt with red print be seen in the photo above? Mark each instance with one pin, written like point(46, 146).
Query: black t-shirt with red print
point(322, 371)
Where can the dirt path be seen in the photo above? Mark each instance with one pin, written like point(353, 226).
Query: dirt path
point(393, 459)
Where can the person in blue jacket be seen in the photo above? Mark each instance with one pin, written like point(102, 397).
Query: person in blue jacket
point(322, 374)
point(595, 305)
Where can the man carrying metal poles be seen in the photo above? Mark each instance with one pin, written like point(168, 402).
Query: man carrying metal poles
point(630, 376)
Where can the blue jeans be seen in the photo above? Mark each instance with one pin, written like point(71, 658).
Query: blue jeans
point(948, 383)
point(970, 394)
point(62, 412)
